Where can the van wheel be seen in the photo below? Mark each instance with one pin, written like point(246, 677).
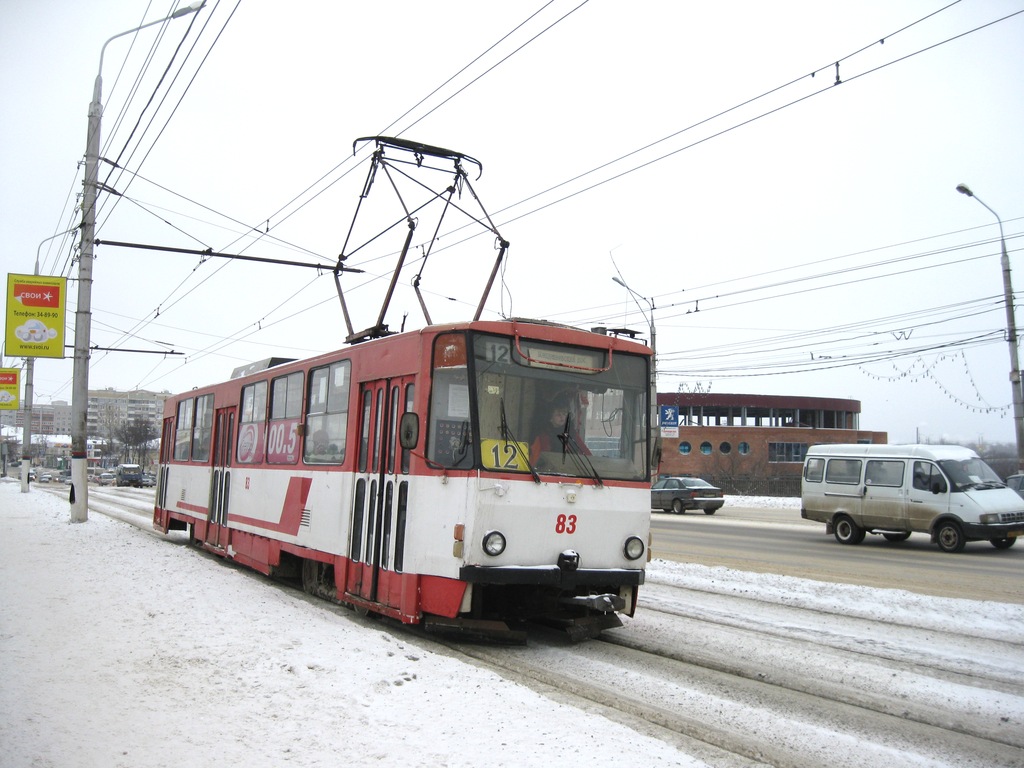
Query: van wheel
point(896, 536)
point(950, 537)
point(847, 531)
point(1004, 543)
point(677, 507)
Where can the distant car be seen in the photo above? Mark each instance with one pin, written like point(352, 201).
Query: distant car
point(1016, 482)
point(107, 478)
point(148, 481)
point(45, 477)
point(679, 494)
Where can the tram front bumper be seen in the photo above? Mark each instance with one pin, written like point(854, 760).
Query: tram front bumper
point(551, 575)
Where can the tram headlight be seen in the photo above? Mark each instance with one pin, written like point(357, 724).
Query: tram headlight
point(494, 543)
point(634, 548)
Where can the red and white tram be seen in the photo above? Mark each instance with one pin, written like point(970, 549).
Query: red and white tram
point(410, 475)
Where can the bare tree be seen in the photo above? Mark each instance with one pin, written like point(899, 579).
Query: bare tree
point(136, 437)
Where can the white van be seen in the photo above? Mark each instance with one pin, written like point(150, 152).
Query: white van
point(893, 490)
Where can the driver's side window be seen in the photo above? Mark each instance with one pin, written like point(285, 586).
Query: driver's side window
point(928, 478)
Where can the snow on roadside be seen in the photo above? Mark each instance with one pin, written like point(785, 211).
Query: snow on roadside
point(124, 650)
point(984, 619)
point(763, 502)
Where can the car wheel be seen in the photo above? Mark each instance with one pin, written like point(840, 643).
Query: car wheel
point(848, 532)
point(950, 537)
point(677, 507)
point(710, 511)
point(896, 536)
point(1004, 543)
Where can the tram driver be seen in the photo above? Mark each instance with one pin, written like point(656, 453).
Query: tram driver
point(559, 433)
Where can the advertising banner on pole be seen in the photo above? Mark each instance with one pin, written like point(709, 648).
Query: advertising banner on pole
point(35, 316)
point(10, 379)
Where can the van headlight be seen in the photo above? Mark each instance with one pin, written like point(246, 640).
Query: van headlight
point(634, 548)
point(494, 543)
point(990, 519)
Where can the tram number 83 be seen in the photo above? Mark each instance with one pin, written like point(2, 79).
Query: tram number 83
point(565, 524)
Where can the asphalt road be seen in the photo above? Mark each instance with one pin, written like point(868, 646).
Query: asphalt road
point(779, 541)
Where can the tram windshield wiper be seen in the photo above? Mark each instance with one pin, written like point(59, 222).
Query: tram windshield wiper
point(508, 437)
point(464, 440)
point(580, 459)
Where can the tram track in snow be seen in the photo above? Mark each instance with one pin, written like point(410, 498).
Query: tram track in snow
point(726, 682)
point(779, 697)
point(939, 651)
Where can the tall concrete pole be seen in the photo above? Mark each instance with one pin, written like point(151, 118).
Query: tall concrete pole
point(1011, 334)
point(83, 315)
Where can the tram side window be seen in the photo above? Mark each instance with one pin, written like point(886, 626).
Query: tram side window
point(450, 438)
point(252, 431)
point(202, 432)
point(327, 414)
point(285, 414)
point(183, 431)
point(410, 394)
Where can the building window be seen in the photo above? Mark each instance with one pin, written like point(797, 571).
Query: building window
point(705, 448)
point(780, 453)
point(744, 448)
point(725, 448)
point(685, 448)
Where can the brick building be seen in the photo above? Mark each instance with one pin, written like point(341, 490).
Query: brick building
point(754, 444)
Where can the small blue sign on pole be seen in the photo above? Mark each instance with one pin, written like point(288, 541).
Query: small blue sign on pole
point(669, 415)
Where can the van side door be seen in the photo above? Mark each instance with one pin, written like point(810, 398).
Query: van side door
point(928, 495)
point(885, 500)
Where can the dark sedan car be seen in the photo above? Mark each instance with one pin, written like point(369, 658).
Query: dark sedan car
point(679, 494)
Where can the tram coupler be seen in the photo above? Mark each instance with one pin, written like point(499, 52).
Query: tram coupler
point(585, 627)
point(606, 603)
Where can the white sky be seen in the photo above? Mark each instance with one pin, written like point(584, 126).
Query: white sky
point(859, 174)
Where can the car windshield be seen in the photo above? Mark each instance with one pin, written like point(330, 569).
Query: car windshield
point(970, 474)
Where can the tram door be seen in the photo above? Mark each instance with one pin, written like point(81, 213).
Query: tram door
point(220, 486)
point(377, 523)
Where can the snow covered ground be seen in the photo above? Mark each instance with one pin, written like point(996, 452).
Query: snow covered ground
point(122, 649)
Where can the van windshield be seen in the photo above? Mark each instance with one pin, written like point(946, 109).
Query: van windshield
point(970, 474)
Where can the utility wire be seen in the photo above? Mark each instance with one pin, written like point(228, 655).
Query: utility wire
point(732, 128)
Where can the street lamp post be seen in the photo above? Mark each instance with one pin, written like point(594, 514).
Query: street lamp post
point(1011, 333)
point(654, 363)
point(30, 368)
point(83, 319)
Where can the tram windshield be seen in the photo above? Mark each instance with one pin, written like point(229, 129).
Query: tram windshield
point(518, 405)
